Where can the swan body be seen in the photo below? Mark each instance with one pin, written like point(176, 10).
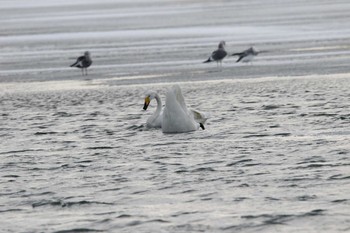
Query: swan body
point(156, 119)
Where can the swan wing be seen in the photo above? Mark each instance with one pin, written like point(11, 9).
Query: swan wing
point(179, 97)
point(175, 115)
point(199, 117)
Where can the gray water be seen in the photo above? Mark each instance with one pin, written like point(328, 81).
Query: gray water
point(76, 155)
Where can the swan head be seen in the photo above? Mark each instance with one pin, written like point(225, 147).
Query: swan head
point(149, 96)
point(147, 101)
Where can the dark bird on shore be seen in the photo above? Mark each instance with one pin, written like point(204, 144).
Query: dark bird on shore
point(247, 55)
point(83, 62)
point(218, 55)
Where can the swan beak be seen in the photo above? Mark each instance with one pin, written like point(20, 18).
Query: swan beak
point(202, 126)
point(147, 101)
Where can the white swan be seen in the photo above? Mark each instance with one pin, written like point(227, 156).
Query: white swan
point(176, 117)
point(155, 120)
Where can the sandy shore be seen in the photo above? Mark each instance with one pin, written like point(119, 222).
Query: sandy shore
point(170, 39)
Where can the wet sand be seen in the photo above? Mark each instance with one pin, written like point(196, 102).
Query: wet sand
point(171, 39)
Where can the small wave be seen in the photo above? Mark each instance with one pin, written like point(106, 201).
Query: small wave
point(124, 216)
point(204, 169)
point(188, 191)
point(45, 133)
point(79, 203)
point(306, 197)
point(46, 168)
point(282, 134)
point(313, 159)
point(45, 203)
point(78, 230)
point(10, 210)
point(182, 170)
point(167, 144)
point(109, 132)
point(100, 148)
point(87, 128)
point(339, 177)
point(340, 201)
point(271, 107)
point(138, 222)
point(184, 213)
point(267, 135)
point(272, 199)
point(85, 161)
point(136, 127)
point(105, 213)
point(37, 194)
point(315, 212)
point(12, 193)
point(323, 114)
point(67, 204)
point(20, 151)
point(62, 114)
point(239, 199)
point(240, 227)
point(265, 216)
point(342, 152)
point(238, 162)
point(89, 119)
point(11, 176)
point(134, 223)
point(165, 187)
point(105, 220)
point(344, 117)
point(97, 113)
point(281, 219)
point(158, 221)
point(256, 136)
point(320, 165)
point(139, 192)
point(188, 227)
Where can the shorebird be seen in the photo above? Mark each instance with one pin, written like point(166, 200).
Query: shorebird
point(83, 62)
point(218, 55)
point(247, 55)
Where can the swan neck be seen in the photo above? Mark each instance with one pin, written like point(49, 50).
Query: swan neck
point(159, 103)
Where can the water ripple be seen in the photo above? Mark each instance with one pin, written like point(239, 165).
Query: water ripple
point(82, 160)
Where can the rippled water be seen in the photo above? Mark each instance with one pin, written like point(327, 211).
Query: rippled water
point(75, 155)
point(274, 157)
